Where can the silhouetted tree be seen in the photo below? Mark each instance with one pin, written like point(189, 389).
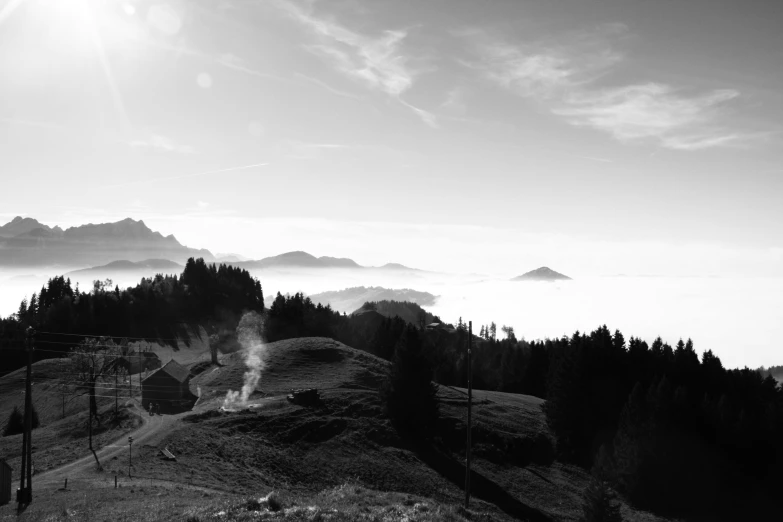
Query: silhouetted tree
point(409, 395)
point(15, 422)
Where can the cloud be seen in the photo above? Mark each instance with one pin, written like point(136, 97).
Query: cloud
point(545, 70)
point(231, 61)
point(163, 144)
point(377, 62)
point(652, 110)
point(327, 87)
point(563, 77)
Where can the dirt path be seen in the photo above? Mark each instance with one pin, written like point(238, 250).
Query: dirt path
point(151, 427)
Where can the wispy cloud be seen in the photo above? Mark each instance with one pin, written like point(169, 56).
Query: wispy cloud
point(231, 61)
point(327, 87)
point(377, 62)
point(163, 144)
point(545, 70)
point(653, 110)
point(563, 79)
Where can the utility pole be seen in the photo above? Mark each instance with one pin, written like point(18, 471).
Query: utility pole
point(25, 493)
point(470, 404)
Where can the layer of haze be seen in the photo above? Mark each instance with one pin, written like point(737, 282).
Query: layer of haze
point(739, 319)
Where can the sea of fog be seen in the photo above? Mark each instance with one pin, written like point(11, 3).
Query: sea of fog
point(739, 319)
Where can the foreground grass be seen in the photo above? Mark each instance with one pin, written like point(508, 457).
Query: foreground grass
point(343, 503)
point(159, 502)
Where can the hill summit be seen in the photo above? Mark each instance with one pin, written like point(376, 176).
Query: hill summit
point(541, 274)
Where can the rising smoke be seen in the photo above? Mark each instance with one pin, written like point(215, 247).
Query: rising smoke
point(250, 334)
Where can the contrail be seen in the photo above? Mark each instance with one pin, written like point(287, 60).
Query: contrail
point(193, 175)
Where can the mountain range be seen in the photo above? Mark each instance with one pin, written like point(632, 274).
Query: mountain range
point(299, 259)
point(29, 243)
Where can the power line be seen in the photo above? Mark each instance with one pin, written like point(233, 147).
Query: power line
point(113, 336)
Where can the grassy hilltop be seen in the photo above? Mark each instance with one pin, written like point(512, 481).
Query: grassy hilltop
point(341, 458)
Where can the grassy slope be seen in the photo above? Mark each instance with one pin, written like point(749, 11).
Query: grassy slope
point(58, 440)
point(302, 451)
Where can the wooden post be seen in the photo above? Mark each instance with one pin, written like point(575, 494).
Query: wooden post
point(26, 491)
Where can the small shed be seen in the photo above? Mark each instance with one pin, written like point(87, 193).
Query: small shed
point(168, 386)
point(5, 482)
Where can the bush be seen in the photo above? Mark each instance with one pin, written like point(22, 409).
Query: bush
point(15, 423)
point(272, 501)
point(599, 503)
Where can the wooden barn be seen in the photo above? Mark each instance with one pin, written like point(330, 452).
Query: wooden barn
point(5, 482)
point(168, 387)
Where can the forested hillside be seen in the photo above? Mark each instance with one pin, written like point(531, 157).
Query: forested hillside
point(161, 307)
point(406, 310)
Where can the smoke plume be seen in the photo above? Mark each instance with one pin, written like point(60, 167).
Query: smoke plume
point(250, 334)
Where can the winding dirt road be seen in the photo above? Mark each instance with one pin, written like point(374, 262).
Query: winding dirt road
point(151, 427)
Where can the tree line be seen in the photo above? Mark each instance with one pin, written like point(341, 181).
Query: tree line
point(163, 307)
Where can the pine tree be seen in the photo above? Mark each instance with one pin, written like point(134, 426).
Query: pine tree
point(409, 395)
point(630, 445)
point(15, 422)
point(566, 407)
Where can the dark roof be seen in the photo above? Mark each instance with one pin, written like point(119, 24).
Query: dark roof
point(173, 369)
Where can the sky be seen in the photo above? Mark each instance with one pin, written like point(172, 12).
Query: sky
point(591, 136)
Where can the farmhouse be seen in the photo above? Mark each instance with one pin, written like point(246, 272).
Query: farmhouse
point(168, 387)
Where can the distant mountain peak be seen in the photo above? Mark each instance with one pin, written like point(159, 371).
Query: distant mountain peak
point(21, 225)
point(25, 241)
point(543, 273)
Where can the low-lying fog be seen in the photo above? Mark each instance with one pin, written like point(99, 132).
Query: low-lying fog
point(740, 319)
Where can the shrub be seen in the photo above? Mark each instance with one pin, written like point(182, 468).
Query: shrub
point(15, 423)
point(272, 501)
point(599, 503)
